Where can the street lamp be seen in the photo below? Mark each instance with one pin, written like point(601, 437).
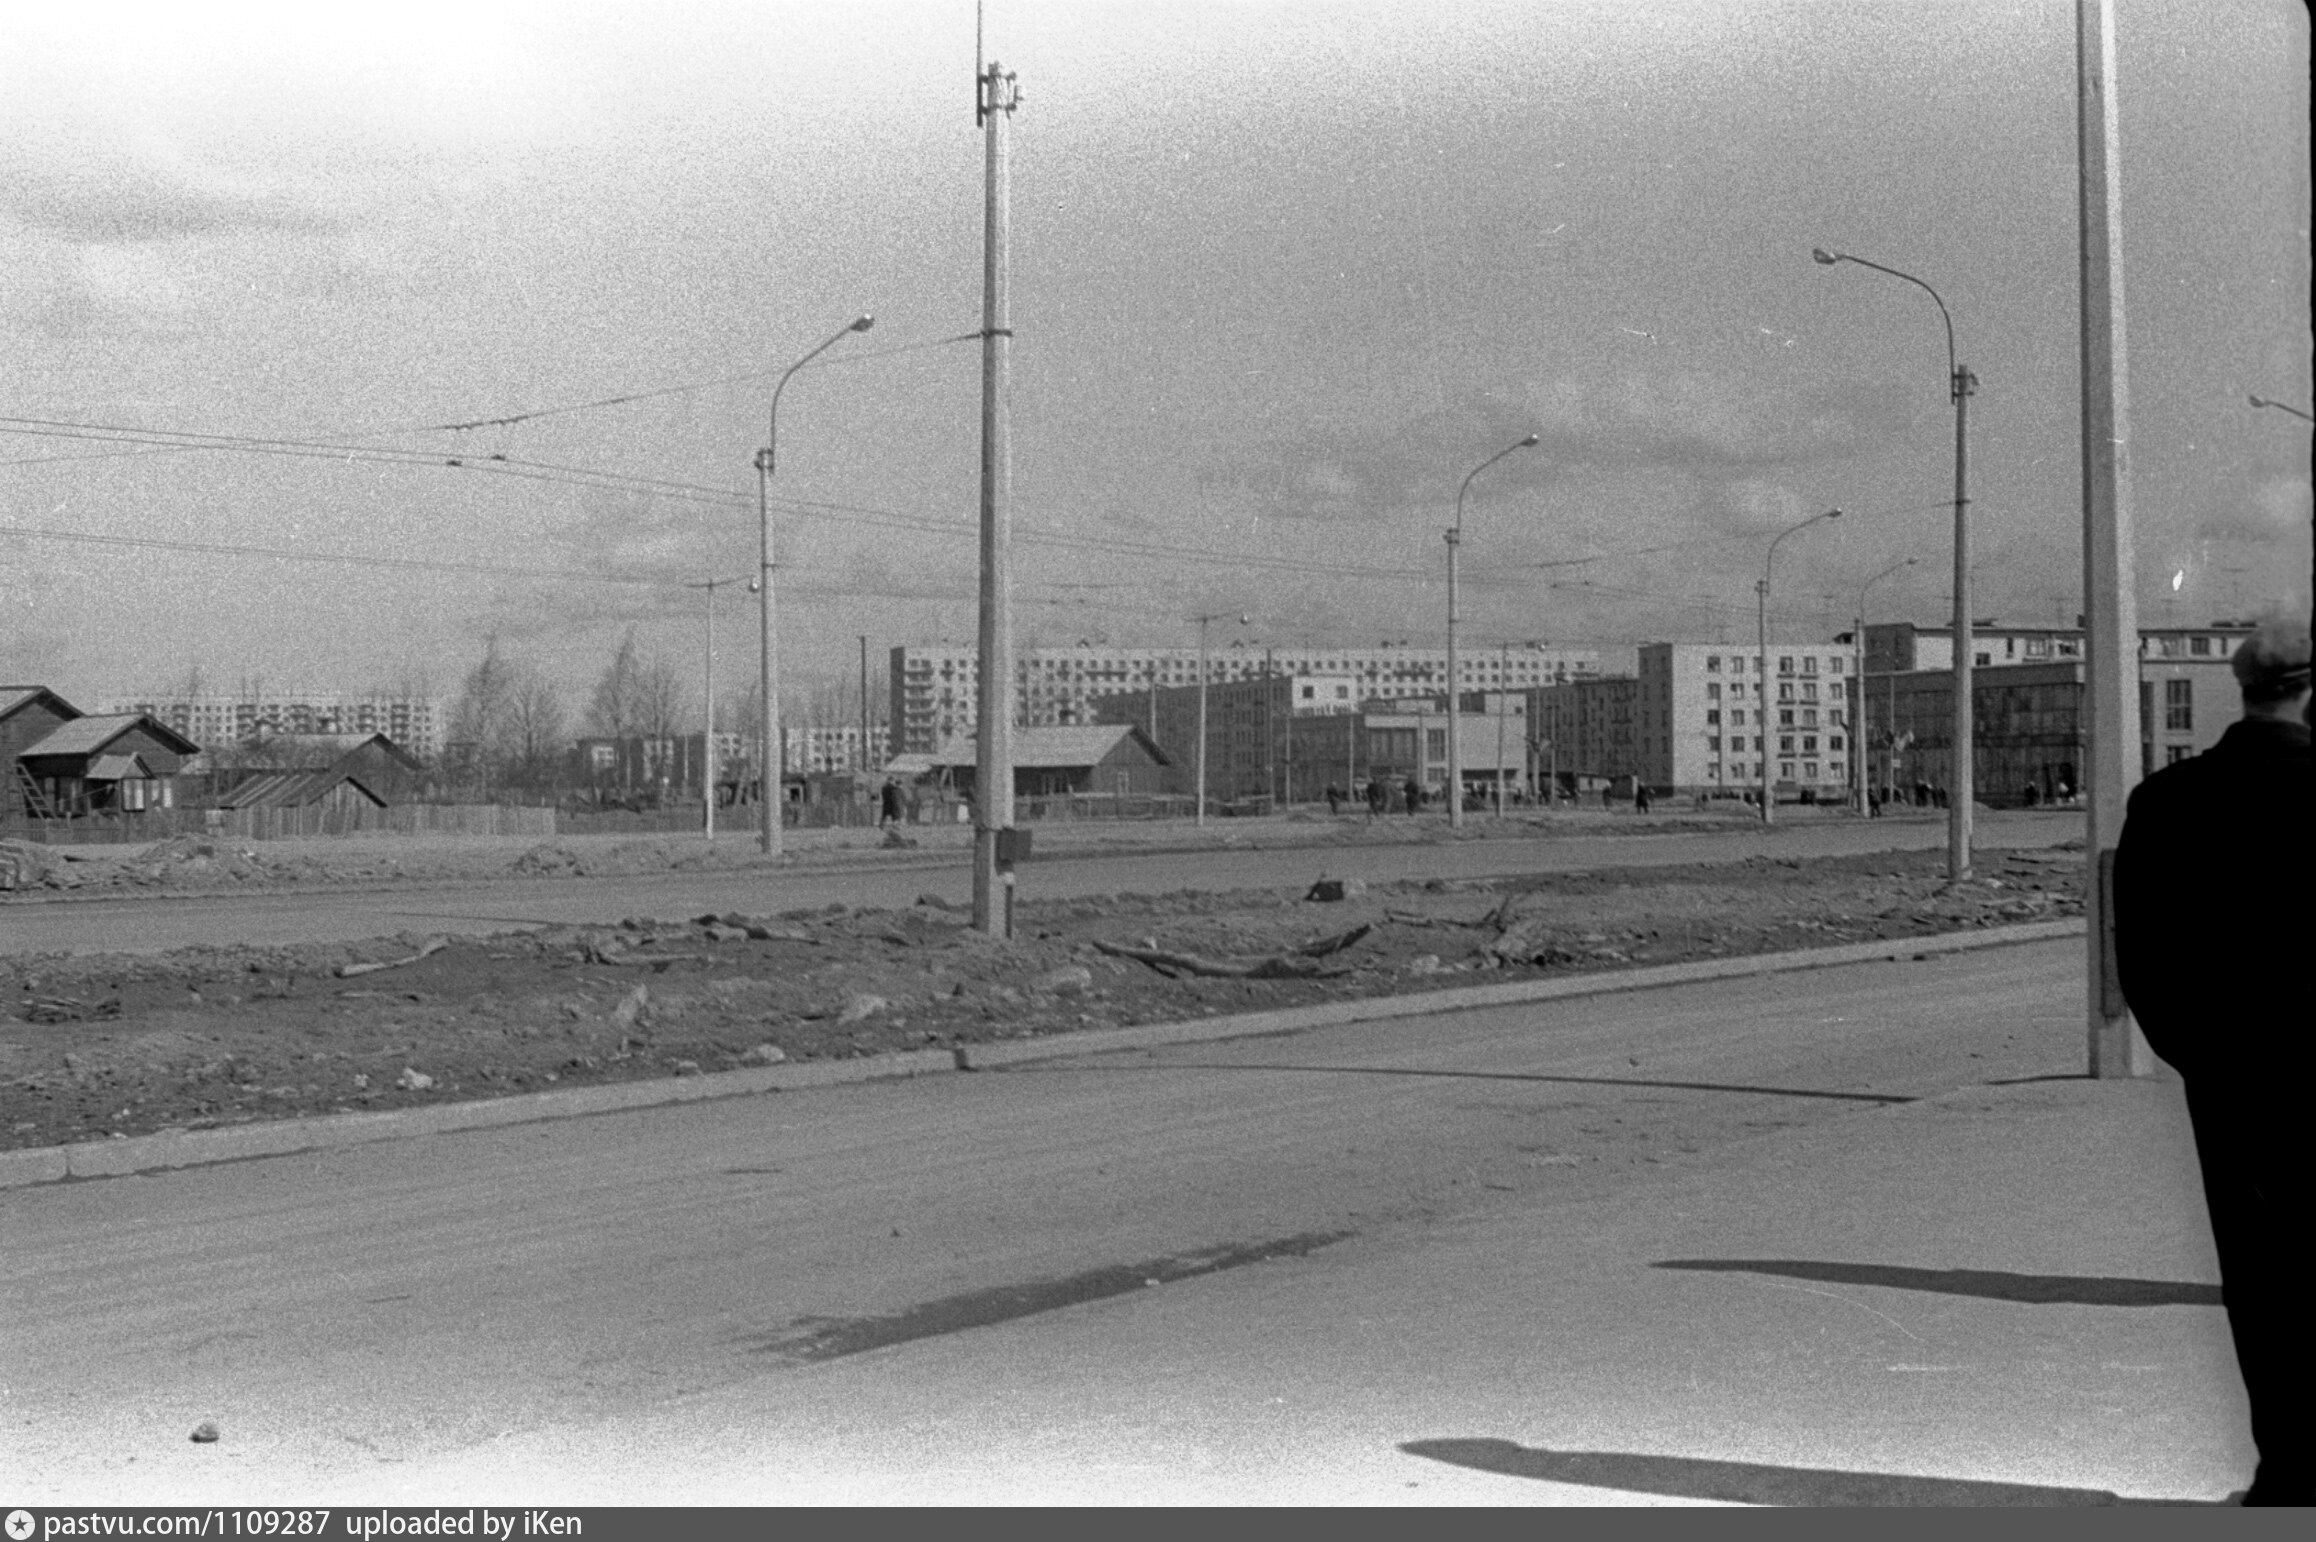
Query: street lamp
point(1858, 687)
point(2262, 401)
point(768, 704)
point(1455, 539)
point(1761, 674)
point(1960, 384)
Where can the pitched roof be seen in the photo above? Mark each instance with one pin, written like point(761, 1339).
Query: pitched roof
point(292, 789)
point(1056, 747)
point(90, 735)
point(119, 768)
point(14, 696)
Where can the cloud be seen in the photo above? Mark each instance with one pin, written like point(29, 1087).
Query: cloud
point(2270, 508)
point(1699, 424)
point(127, 204)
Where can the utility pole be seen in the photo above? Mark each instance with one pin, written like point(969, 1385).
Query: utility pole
point(1503, 682)
point(712, 762)
point(994, 102)
point(2110, 609)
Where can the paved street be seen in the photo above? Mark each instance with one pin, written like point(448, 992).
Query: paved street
point(1408, 1253)
point(158, 923)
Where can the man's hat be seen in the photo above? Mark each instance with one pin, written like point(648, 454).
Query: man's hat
point(2272, 663)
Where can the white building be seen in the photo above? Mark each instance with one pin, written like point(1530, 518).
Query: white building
point(936, 690)
point(414, 722)
point(1706, 717)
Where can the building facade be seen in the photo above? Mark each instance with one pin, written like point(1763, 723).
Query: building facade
point(2027, 723)
point(1288, 738)
point(1703, 718)
point(1898, 646)
point(935, 691)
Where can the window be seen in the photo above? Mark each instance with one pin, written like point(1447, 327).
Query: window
point(1982, 659)
point(1737, 717)
point(1809, 770)
point(1712, 663)
point(1713, 743)
point(1785, 717)
point(1736, 744)
point(1785, 770)
point(1809, 744)
point(1435, 744)
point(1785, 690)
point(2178, 706)
point(1809, 717)
point(1713, 691)
point(2173, 754)
point(2200, 646)
point(1809, 665)
point(1834, 742)
point(1785, 747)
point(1712, 715)
point(1837, 669)
point(1809, 691)
point(1785, 663)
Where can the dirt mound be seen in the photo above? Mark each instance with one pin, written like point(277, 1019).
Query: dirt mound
point(94, 1045)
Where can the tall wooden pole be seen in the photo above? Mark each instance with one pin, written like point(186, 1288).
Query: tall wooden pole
point(2110, 605)
point(993, 740)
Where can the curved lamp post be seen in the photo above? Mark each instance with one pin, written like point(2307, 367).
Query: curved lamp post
point(1761, 734)
point(1961, 384)
point(2262, 401)
point(1858, 739)
point(1455, 538)
point(773, 790)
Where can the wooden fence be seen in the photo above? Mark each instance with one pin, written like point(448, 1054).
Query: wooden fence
point(281, 824)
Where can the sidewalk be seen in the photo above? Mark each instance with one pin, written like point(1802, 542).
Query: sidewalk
point(2004, 1296)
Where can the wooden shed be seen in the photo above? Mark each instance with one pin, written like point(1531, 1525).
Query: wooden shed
point(1114, 758)
point(28, 714)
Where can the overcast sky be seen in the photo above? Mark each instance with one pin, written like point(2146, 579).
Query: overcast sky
point(1283, 273)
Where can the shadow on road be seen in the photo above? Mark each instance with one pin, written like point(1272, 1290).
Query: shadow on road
point(1993, 1284)
point(1749, 1483)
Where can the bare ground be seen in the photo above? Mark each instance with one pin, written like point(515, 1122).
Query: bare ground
point(95, 1046)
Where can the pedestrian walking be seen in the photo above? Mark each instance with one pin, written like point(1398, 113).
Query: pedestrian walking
point(1414, 796)
point(1334, 799)
point(890, 811)
point(1640, 799)
point(1378, 798)
point(2211, 922)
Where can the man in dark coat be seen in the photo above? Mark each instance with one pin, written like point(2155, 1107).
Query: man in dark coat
point(2211, 937)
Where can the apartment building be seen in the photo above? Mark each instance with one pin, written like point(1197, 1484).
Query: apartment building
point(935, 690)
point(416, 723)
point(1703, 718)
point(1901, 645)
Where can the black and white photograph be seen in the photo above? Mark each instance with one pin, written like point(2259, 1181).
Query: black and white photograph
point(1144, 753)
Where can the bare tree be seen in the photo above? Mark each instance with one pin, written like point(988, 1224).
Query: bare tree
point(479, 722)
point(538, 727)
point(614, 710)
point(660, 710)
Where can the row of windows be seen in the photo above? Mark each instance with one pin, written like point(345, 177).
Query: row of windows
point(1785, 690)
point(1739, 771)
point(1784, 743)
point(1785, 664)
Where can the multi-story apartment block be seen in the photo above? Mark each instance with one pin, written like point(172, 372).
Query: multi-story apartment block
point(936, 690)
point(1704, 718)
point(415, 723)
point(1901, 645)
point(817, 747)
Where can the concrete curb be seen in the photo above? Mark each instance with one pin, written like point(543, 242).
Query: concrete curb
point(193, 1148)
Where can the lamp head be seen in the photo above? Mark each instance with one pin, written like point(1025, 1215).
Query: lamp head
point(2261, 401)
point(1530, 441)
point(864, 323)
point(1831, 514)
point(1820, 254)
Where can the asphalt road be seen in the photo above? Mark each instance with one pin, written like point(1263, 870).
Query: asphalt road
point(352, 1317)
point(160, 923)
